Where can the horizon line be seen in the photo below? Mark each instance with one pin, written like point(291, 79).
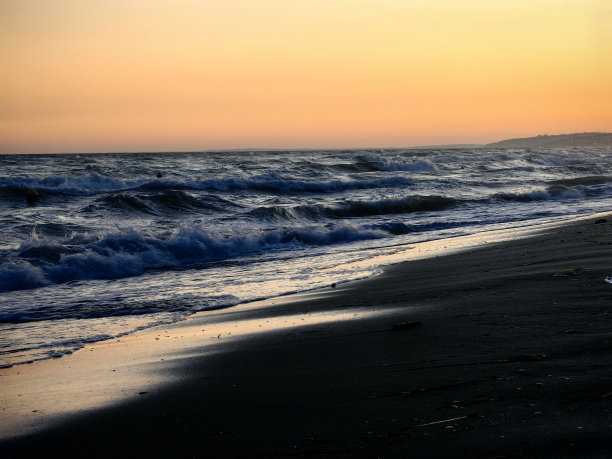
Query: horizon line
point(307, 149)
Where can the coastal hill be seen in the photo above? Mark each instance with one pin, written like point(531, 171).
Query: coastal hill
point(585, 139)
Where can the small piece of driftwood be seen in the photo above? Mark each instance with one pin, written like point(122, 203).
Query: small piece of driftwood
point(404, 325)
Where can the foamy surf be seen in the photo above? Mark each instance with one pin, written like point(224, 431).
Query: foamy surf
point(105, 247)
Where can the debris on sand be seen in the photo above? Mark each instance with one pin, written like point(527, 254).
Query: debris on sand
point(404, 325)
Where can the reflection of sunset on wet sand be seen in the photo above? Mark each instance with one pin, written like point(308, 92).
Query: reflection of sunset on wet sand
point(144, 361)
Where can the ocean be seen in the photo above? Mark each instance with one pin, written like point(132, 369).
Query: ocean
point(104, 246)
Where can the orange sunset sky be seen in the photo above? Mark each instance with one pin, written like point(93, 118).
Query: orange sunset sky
point(168, 75)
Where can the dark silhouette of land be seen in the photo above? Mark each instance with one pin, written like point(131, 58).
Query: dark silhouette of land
point(585, 139)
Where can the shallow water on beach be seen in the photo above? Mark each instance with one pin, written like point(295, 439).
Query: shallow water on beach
point(106, 247)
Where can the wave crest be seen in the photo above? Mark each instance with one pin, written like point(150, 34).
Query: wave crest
point(395, 163)
point(131, 253)
point(166, 201)
point(354, 208)
point(557, 192)
point(79, 185)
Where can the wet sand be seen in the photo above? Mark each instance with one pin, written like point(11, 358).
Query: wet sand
point(501, 351)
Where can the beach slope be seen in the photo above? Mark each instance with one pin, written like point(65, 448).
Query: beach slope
point(502, 351)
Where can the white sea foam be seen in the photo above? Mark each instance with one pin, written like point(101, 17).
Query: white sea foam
point(131, 252)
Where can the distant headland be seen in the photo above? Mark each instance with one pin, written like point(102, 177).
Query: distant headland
point(585, 139)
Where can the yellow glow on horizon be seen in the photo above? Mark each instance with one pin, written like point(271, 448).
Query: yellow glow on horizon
point(176, 75)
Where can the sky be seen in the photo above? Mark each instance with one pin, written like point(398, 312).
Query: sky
point(191, 75)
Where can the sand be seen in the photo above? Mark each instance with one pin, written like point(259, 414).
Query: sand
point(501, 351)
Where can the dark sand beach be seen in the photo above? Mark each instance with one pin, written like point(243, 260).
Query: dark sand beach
point(501, 351)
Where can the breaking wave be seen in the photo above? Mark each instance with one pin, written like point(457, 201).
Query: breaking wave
point(354, 208)
point(565, 190)
point(95, 183)
point(168, 201)
point(394, 163)
point(132, 252)
point(79, 185)
point(277, 184)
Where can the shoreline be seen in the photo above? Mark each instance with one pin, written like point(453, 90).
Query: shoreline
point(369, 267)
point(496, 330)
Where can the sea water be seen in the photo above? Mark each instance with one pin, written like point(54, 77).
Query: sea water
point(105, 246)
